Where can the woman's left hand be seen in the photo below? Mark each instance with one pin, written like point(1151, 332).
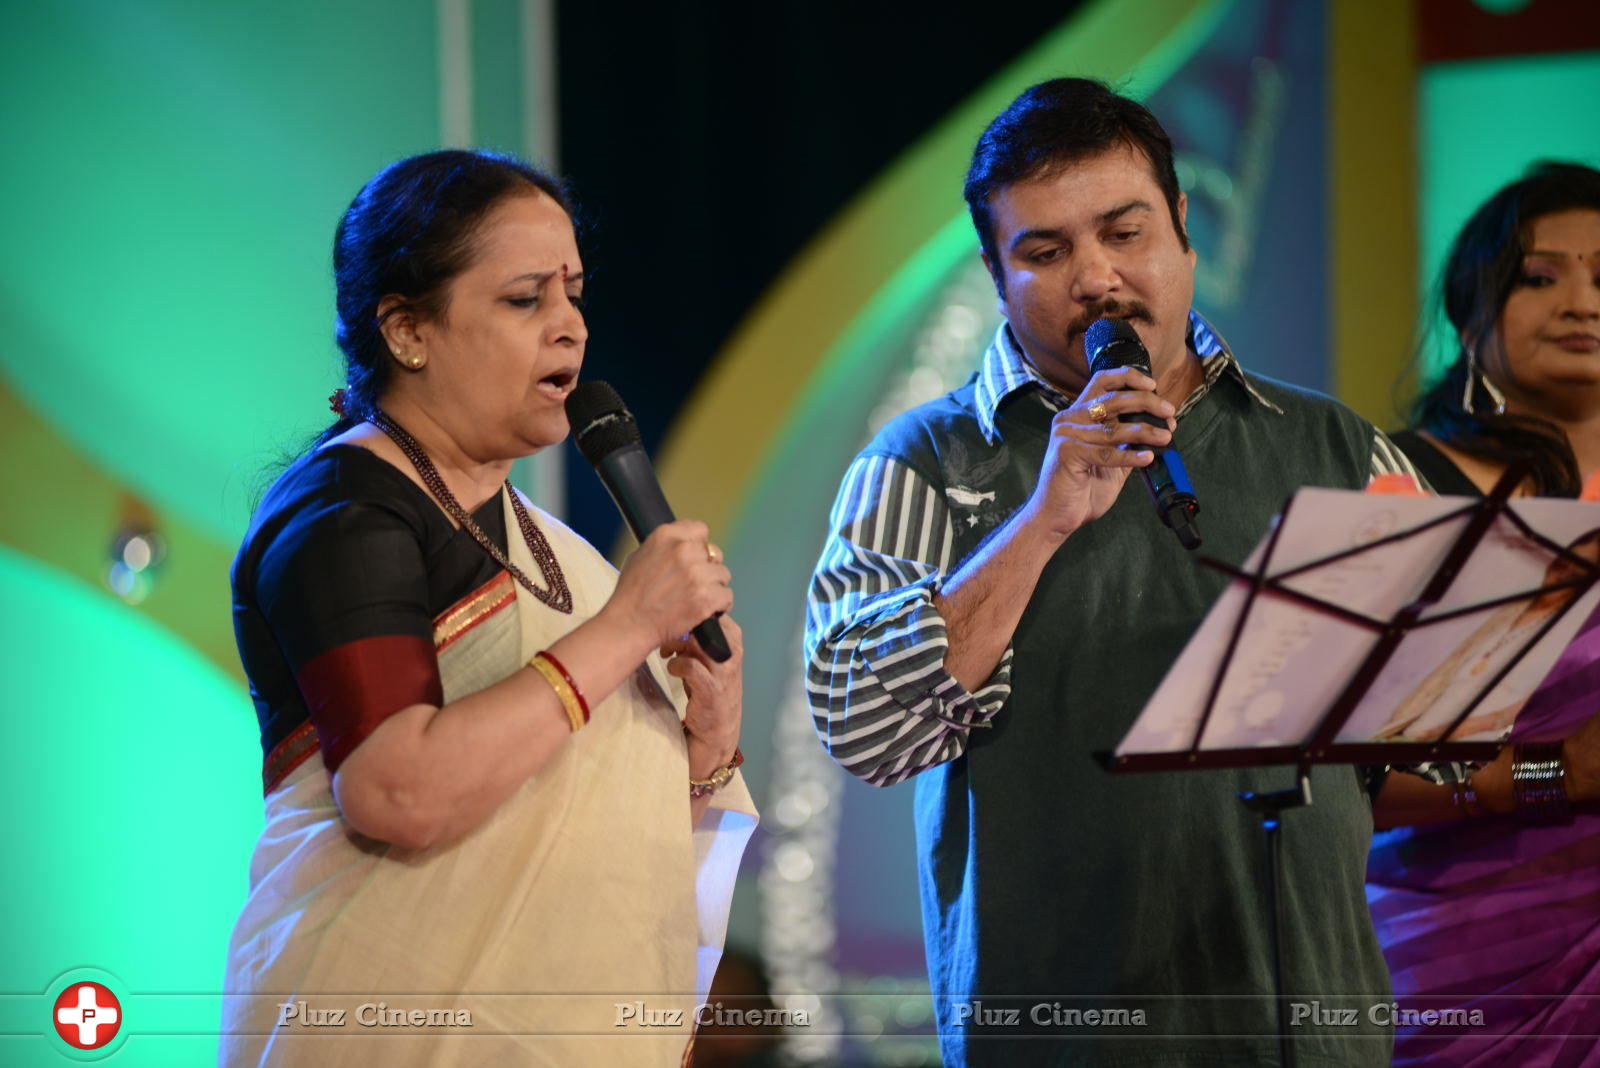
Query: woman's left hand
point(716, 692)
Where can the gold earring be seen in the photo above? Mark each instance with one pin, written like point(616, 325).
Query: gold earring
point(414, 361)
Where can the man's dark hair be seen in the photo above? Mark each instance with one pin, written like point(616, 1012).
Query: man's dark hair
point(1050, 127)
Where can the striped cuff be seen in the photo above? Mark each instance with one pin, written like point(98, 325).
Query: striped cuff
point(905, 649)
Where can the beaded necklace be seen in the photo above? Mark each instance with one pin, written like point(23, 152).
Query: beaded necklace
point(557, 596)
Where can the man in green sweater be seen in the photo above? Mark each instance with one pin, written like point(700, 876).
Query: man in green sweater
point(996, 603)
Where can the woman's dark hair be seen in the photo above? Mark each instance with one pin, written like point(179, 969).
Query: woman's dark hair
point(1051, 126)
point(1484, 266)
point(408, 233)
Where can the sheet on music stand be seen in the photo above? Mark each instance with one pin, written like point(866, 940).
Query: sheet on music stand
point(1292, 660)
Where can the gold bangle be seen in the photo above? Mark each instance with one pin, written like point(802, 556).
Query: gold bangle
point(718, 779)
point(570, 703)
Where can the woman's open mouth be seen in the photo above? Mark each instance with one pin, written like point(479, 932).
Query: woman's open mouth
point(559, 383)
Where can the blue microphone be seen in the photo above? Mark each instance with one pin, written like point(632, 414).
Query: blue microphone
point(1112, 343)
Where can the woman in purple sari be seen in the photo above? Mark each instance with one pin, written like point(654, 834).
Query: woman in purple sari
point(1487, 896)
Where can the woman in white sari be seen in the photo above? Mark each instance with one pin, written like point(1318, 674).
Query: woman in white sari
point(502, 798)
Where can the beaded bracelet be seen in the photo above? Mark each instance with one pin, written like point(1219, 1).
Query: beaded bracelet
point(699, 788)
point(1539, 783)
point(572, 702)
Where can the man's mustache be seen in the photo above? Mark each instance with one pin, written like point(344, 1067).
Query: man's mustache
point(1107, 309)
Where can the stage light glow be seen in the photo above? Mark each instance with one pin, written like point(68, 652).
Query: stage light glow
point(132, 733)
point(794, 862)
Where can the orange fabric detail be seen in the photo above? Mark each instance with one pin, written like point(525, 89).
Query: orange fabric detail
point(288, 755)
point(1395, 483)
point(456, 621)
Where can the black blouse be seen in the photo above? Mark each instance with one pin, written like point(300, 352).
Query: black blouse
point(1440, 471)
point(346, 564)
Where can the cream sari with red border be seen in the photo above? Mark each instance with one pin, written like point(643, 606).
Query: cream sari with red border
point(581, 924)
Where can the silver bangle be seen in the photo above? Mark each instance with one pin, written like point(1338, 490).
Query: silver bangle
point(1539, 783)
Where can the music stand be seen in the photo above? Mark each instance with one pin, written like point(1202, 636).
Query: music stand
point(1327, 741)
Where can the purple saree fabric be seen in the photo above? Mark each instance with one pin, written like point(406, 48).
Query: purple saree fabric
point(1497, 918)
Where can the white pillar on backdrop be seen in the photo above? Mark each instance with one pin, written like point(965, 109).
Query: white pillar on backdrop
point(541, 476)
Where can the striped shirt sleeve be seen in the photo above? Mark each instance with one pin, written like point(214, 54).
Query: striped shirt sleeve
point(874, 642)
point(1387, 459)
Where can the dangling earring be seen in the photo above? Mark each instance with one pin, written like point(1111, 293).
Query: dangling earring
point(1493, 390)
point(1476, 375)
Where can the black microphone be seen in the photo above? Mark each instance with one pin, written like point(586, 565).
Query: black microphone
point(1112, 343)
point(604, 431)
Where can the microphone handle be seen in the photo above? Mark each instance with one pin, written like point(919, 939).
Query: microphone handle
point(631, 481)
point(1173, 495)
point(1168, 482)
point(627, 475)
point(1125, 354)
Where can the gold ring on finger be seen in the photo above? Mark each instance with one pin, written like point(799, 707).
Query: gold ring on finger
point(1097, 411)
point(713, 553)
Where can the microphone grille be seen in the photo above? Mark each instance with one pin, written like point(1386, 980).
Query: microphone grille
point(1112, 343)
point(600, 422)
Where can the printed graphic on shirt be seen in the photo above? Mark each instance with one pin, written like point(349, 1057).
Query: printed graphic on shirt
point(971, 494)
